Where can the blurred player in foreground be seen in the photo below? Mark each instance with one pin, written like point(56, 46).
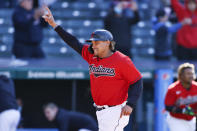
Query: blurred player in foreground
point(111, 75)
point(9, 114)
point(68, 120)
point(181, 100)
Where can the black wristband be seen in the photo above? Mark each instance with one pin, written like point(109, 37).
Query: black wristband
point(174, 109)
point(131, 105)
point(177, 110)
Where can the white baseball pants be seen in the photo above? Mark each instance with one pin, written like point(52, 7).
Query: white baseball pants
point(176, 124)
point(109, 119)
point(9, 120)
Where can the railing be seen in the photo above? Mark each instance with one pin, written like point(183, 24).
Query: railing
point(37, 129)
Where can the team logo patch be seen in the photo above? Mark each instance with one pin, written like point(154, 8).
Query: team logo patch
point(178, 92)
point(187, 100)
point(101, 71)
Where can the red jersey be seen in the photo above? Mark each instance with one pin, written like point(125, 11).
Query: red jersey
point(110, 77)
point(178, 96)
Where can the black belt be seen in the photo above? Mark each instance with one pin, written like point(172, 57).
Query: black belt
point(101, 108)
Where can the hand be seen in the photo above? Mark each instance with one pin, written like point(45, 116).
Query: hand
point(126, 111)
point(134, 6)
point(188, 111)
point(187, 21)
point(49, 17)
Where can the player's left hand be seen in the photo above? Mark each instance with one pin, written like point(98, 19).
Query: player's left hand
point(188, 111)
point(126, 111)
point(49, 17)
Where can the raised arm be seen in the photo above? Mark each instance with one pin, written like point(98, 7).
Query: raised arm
point(67, 37)
point(178, 8)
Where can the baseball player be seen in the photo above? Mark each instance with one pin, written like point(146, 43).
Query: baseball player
point(111, 75)
point(9, 114)
point(68, 120)
point(181, 100)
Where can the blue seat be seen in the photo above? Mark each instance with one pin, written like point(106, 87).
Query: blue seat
point(3, 29)
point(144, 52)
point(6, 13)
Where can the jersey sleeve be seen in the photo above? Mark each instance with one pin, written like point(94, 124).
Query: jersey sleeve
point(130, 72)
point(178, 8)
point(170, 98)
point(86, 54)
point(68, 38)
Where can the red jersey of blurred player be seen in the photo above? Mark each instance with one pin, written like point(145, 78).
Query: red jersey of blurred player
point(181, 100)
point(181, 97)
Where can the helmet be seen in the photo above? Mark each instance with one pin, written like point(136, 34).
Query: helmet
point(101, 35)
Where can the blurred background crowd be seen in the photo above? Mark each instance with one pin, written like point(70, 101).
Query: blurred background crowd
point(159, 30)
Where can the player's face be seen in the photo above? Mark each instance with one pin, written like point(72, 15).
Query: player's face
point(100, 47)
point(28, 4)
point(192, 6)
point(188, 75)
point(165, 18)
point(50, 114)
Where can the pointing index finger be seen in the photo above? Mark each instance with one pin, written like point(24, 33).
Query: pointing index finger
point(48, 10)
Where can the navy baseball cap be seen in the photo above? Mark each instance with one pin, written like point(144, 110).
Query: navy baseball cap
point(101, 35)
